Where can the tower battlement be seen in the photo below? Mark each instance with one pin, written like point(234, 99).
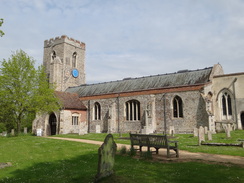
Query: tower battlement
point(64, 39)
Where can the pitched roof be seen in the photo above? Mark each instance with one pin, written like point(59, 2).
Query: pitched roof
point(70, 100)
point(181, 78)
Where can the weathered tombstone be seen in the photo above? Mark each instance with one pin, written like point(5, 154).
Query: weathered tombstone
point(39, 132)
point(195, 132)
point(12, 132)
point(205, 130)
point(171, 130)
point(4, 133)
point(25, 130)
point(106, 154)
point(201, 135)
point(229, 126)
point(98, 129)
point(210, 135)
point(228, 132)
point(4, 165)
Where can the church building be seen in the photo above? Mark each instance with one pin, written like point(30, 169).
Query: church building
point(179, 101)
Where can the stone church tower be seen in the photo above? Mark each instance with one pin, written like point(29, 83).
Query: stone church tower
point(64, 62)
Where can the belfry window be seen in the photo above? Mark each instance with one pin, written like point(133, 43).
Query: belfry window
point(132, 110)
point(177, 107)
point(226, 105)
point(75, 119)
point(53, 55)
point(97, 111)
point(74, 59)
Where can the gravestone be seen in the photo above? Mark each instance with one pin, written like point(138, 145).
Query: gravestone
point(210, 135)
point(201, 135)
point(98, 129)
point(25, 130)
point(12, 132)
point(195, 132)
point(206, 130)
point(106, 154)
point(171, 130)
point(228, 131)
point(4, 133)
point(3, 165)
point(39, 132)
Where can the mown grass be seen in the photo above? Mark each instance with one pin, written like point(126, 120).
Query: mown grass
point(37, 159)
point(186, 142)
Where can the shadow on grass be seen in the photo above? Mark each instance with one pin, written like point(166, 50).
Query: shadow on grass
point(79, 169)
point(127, 170)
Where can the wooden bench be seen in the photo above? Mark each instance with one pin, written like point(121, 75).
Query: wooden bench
point(156, 141)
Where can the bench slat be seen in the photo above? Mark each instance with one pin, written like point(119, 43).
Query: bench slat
point(156, 141)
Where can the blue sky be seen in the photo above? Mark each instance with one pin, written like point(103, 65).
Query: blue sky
point(131, 38)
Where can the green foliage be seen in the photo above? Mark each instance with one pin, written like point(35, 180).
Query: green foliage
point(146, 155)
point(24, 90)
point(132, 151)
point(37, 159)
point(1, 32)
point(123, 150)
point(2, 127)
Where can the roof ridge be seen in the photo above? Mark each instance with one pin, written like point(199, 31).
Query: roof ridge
point(133, 78)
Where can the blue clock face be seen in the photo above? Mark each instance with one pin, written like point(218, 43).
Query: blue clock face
point(75, 73)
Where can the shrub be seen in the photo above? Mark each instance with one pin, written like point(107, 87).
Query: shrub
point(123, 150)
point(132, 151)
point(146, 155)
point(2, 127)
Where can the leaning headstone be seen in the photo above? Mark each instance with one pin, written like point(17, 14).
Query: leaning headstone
point(201, 135)
point(4, 133)
point(106, 154)
point(206, 130)
point(12, 132)
point(25, 130)
point(195, 132)
point(210, 135)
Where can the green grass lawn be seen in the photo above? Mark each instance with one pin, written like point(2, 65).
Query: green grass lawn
point(37, 159)
point(186, 142)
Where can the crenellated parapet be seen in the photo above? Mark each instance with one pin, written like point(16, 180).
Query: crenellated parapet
point(64, 39)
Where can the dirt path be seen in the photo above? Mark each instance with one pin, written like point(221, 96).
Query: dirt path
point(185, 156)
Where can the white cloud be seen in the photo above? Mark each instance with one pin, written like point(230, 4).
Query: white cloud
point(131, 38)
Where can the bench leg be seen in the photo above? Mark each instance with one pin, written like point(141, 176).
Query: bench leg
point(177, 153)
point(168, 153)
point(140, 148)
point(148, 148)
point(156, 150)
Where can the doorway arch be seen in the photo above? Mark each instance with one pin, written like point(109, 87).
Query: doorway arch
point(242, 120)
point(53, 123)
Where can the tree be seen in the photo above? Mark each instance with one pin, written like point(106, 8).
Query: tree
point(1, 32)
point(24, 90)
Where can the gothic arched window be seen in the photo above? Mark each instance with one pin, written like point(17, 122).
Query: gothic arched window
point(226, 105)
point(97, 111)
point(132, 109)
point(177, 107)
